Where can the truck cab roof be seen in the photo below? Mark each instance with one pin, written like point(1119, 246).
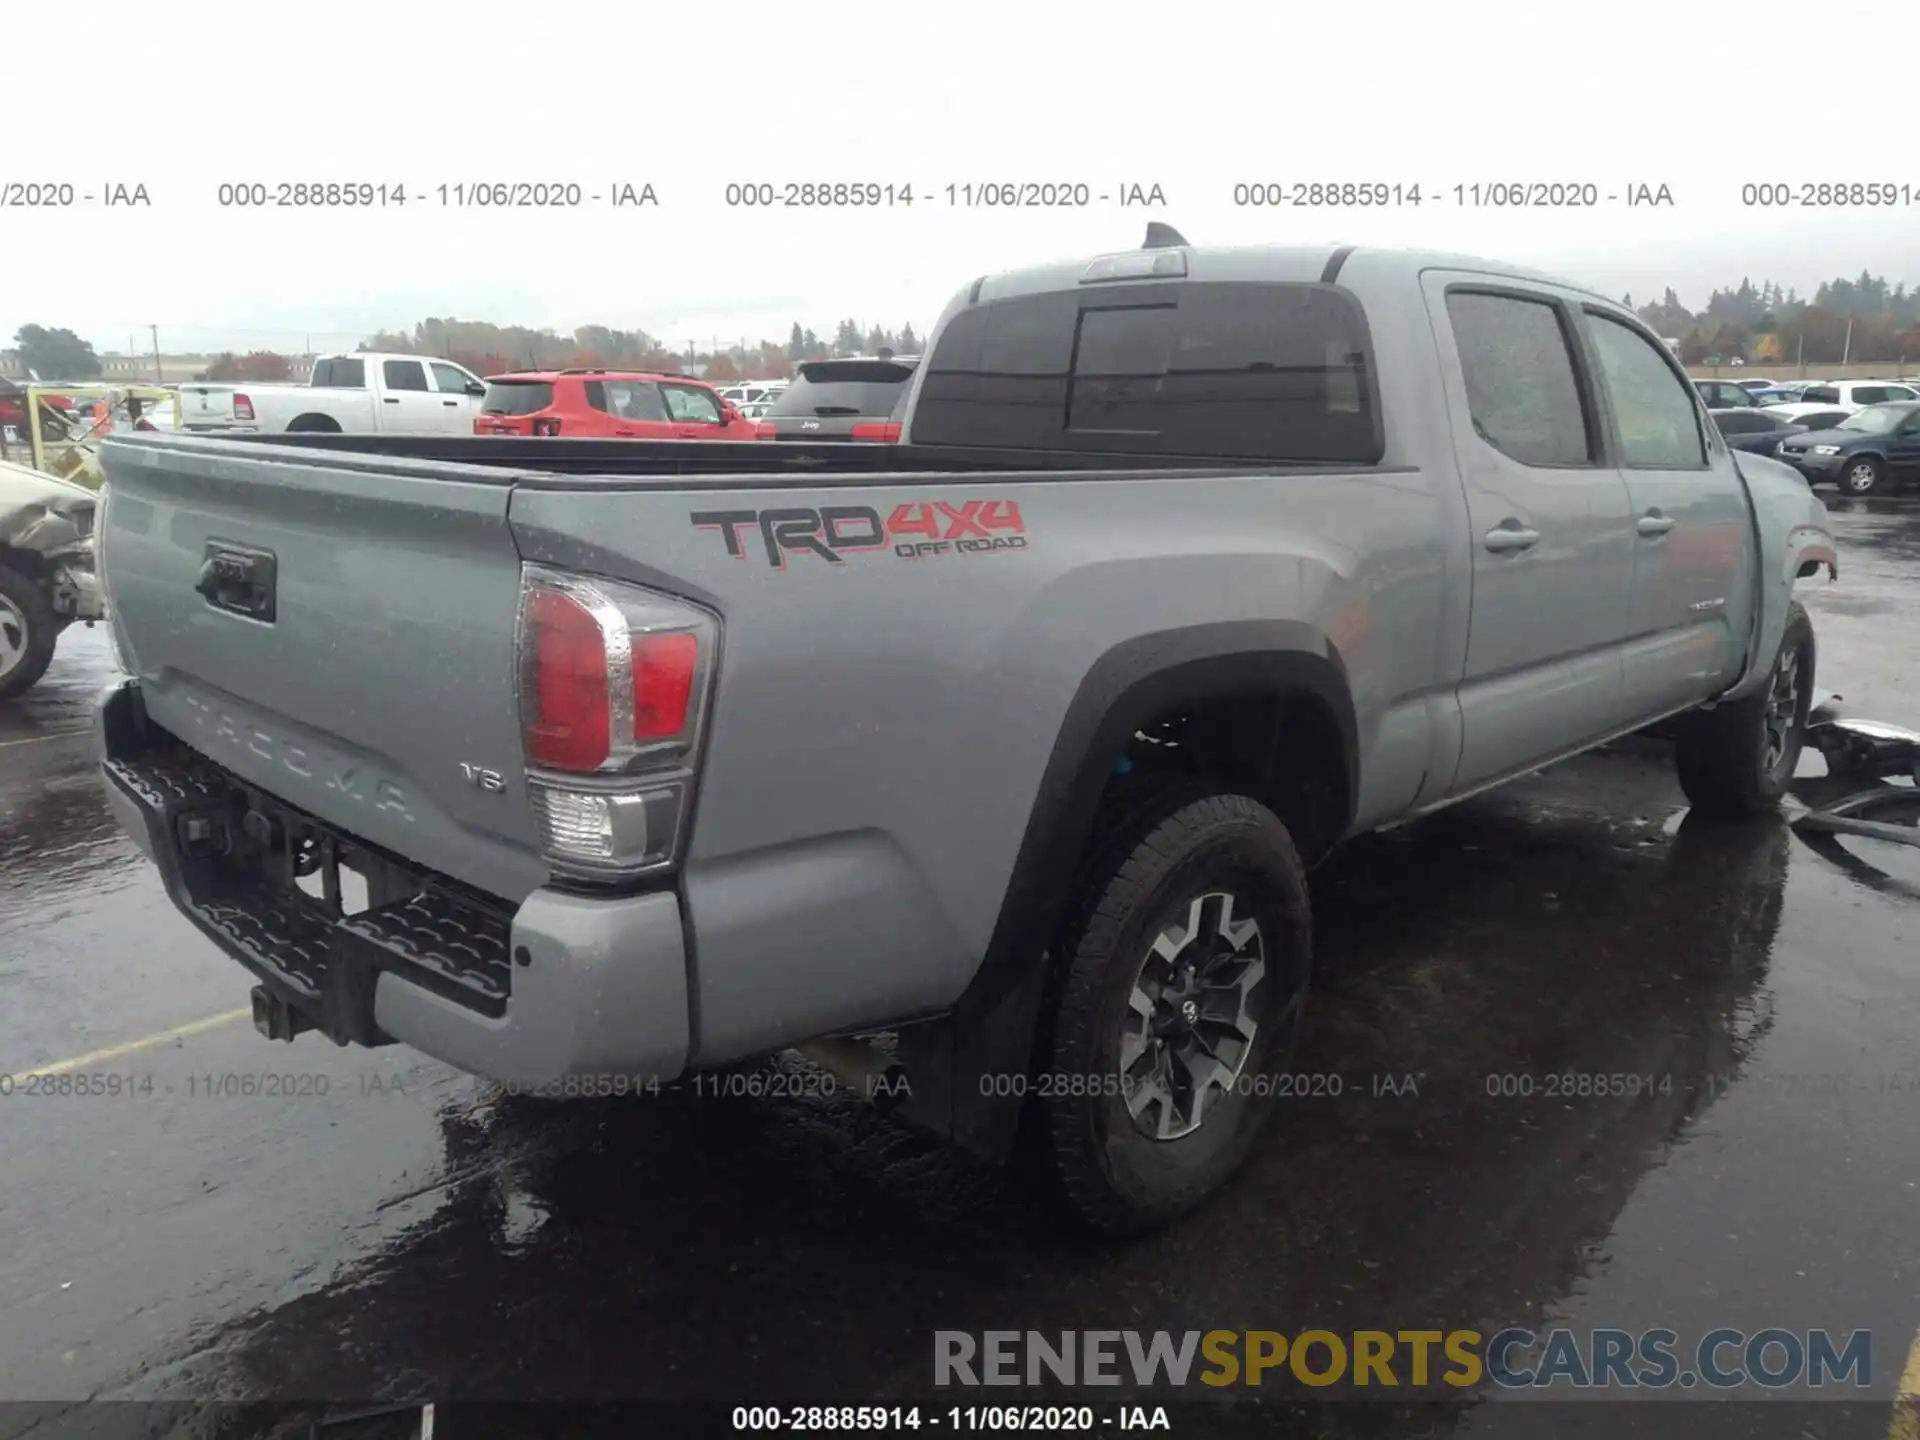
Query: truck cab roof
point(1272, 264)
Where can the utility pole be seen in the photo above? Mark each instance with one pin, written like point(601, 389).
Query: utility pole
point(158, 373)
point(1847, 353)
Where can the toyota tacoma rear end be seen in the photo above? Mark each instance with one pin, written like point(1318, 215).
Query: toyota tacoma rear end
point(591, 764)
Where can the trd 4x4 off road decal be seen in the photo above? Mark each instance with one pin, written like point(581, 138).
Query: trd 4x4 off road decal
point(913, 531)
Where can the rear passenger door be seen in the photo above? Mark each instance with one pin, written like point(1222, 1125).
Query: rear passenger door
point(1692, 581)
point(1549, 523)
point(407, 405)
point(633, 407)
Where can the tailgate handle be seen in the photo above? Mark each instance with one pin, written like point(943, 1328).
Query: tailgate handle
point(238, 580)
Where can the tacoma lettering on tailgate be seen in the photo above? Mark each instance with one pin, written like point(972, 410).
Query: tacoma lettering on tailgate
point(913, 531)
point(337, 774)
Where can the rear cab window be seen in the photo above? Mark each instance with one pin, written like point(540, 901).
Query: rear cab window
point(1190, 369)
point(517, 397)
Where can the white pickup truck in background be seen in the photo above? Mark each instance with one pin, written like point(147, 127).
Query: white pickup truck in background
point(362, 394)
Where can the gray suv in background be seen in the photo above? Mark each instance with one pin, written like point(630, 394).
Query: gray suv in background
point(853, 399)
point(588, 765)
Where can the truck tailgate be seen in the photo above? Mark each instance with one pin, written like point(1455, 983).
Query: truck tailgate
point(206, 406)
point(384, 664)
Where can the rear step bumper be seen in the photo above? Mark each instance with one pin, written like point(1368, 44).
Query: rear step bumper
point(565, 986)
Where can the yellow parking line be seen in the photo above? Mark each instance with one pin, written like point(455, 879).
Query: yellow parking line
point(1906, 1405)
point(146, 1042)
point(42, 739)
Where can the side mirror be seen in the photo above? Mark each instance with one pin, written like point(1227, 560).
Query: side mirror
point(728, 415)
point(476, 389)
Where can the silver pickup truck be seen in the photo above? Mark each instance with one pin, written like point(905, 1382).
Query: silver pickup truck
point(586, 765)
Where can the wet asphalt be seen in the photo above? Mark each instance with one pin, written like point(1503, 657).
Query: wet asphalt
point(396, 1229)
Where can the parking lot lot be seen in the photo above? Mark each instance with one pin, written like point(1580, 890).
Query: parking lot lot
point(394, 1227)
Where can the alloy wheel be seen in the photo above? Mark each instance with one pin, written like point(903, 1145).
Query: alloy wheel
point(1783, 705)
point(1189, 1028)
point(13, 636)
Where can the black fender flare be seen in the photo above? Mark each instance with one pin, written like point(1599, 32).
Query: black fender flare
point(991, 1028)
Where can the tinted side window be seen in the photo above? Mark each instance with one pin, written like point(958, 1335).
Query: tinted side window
point(341, 374)
point(403, 374)
point(1741, 422)
point(1659, 427)
point(1870, 394)
point(1820, 395)
point(1202, 370)
point(1518, 370)
point(1901, 392)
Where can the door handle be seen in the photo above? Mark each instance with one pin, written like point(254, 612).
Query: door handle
point(391, 399)
point(1510, 536)
point(449, 403)
point(1653, 524)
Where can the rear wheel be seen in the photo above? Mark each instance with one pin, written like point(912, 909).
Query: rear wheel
point(1861, 477)
point(28, 629)
point(314, 425)
point(1737, 759)
point(1185, 973)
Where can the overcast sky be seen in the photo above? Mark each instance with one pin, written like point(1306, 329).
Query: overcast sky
point(1194, 97)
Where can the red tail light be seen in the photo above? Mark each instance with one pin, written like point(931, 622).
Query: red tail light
point(242, 407)
point(888, 432)
point(614, 684)
point(570, 727)
point(610, 673)
point(549, 426)
point(765, 430)
point(663, 671)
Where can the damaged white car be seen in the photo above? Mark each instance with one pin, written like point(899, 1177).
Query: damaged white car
point(47, 576)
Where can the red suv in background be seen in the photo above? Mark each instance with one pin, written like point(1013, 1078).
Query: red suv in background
point(627, 404)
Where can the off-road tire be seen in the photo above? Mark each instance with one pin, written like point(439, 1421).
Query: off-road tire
point(1722, 753)
point(1177, 840)
point(42, 626)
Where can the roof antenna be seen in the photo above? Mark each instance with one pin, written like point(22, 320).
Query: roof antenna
point(1161, 237)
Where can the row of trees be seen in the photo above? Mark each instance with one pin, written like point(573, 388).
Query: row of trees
point(1865, 320)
